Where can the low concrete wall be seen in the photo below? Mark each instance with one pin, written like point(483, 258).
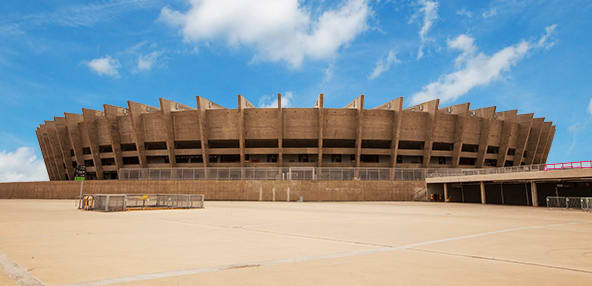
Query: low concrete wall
point(228, 190)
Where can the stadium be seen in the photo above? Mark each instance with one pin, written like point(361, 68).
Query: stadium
point(174, 135)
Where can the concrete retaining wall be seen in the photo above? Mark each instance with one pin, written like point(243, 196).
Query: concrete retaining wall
point(228, 190)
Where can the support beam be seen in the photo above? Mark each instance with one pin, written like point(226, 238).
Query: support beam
point(242, 104)
point(280, 131)
point(548, 147)
point(431, 109)
point(202, 106)
point(136, 110)
point(445, 192)
point(533, 140)
point(358, 104)
point(111, 114)
point(320, 126)
point(507, 131)
point(542, 146)
point(534, 194)
point(166, 109)
point(72, 122)
point(44, 154)
point(482, 188)
point(524, 126)
point(64, 144)
point(55, 150)
point(485, 122)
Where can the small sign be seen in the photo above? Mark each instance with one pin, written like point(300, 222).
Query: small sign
point(78, 178)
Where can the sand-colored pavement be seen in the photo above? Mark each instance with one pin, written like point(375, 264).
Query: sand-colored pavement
point(264, 243)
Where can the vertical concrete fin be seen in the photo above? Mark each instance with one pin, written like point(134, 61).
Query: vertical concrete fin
point(206, 104)
point(47, 155)
point(242, 104)
point(166, 107)
point(359, 105)
point(90, 119)
point(56, 153)
point(72, 121)
point(549, 143)
point(319, 105)
point(525, 122)
point(506, 115)
point(202, 106)
point(397, 119)
point(280, 131)
point(64, 144)
point(542, 145)
point(431, 107)
point(395, 104)
point(355, 104)
point(44, 154)
point(111, 114)
point(135, 111)
point(486, 115)
point(533, 140)
point(455, 109)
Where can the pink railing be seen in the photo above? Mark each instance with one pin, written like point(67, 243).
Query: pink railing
point(568, 165)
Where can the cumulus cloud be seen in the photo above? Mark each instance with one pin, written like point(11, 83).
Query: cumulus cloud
point(105, 66)
point(145, 62)
point(489, 13)
point(21, 165)
point(384, 64)
point(329, 72)
point(475, 69)
point(464, 12)
point(546, 40)
point(277, 30)
point(428, 11)
point(270, 101)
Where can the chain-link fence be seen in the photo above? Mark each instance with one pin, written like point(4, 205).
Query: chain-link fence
point(583, 203)
point(123, 202)
point(271, 173)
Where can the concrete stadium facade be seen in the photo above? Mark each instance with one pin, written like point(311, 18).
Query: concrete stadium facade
point(387, 136)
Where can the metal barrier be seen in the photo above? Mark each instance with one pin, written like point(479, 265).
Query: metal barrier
point(271, 173)
point(123, 202)
point(583, 203)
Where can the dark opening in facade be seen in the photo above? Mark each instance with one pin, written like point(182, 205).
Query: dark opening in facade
point(155, 145)
point(261, 143)
point(105, 149)
point(376, 144)
point(405, 159)
point(157, 159)
point(369, 158)
point(339, 143)
point(470, 148)
point(89, 163)
point(300, 143)
point(108, 161)
point(128, 147)
point(440, 146)
point(411, 145)
point(131, 160)
point(511, 151)
point(71, 152)
point(188, 159)
point(224, 158)
point(223, 144)
point(91, 176)
point(492, 149)
point(110, 175)
point(195, 144)
point(440, 160)
point(490, 162)
point(86, 150)
point(467, 161)
point(509, 164)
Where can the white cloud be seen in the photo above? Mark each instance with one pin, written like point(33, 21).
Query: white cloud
point(21, 165)
point(270, 101)
point(464, 12)
point(329, 72)
point(489, 13)
point(590, 107)
point(145, 62)
point(277, 30)
point(105, 66)
point(384, 64)
point(429, 12)
point(475, 69)
point(545, 41)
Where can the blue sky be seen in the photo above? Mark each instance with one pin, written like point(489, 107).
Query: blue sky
point(59, 56)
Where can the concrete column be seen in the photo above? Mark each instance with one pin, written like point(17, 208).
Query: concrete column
point(445, 192)
point(320, 126)
point(111, 113)
point(90, 122)
point(360, 108)
point(280, 131)
point(482, 187)
point(524, 126)
point(533, 140)
point(241, 130)
point(202, 121)
point(534, 194)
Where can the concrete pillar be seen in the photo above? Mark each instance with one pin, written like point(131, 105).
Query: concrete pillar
point(482, 187)
point(534, 194)
point(445, 192)
point(320, 126)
